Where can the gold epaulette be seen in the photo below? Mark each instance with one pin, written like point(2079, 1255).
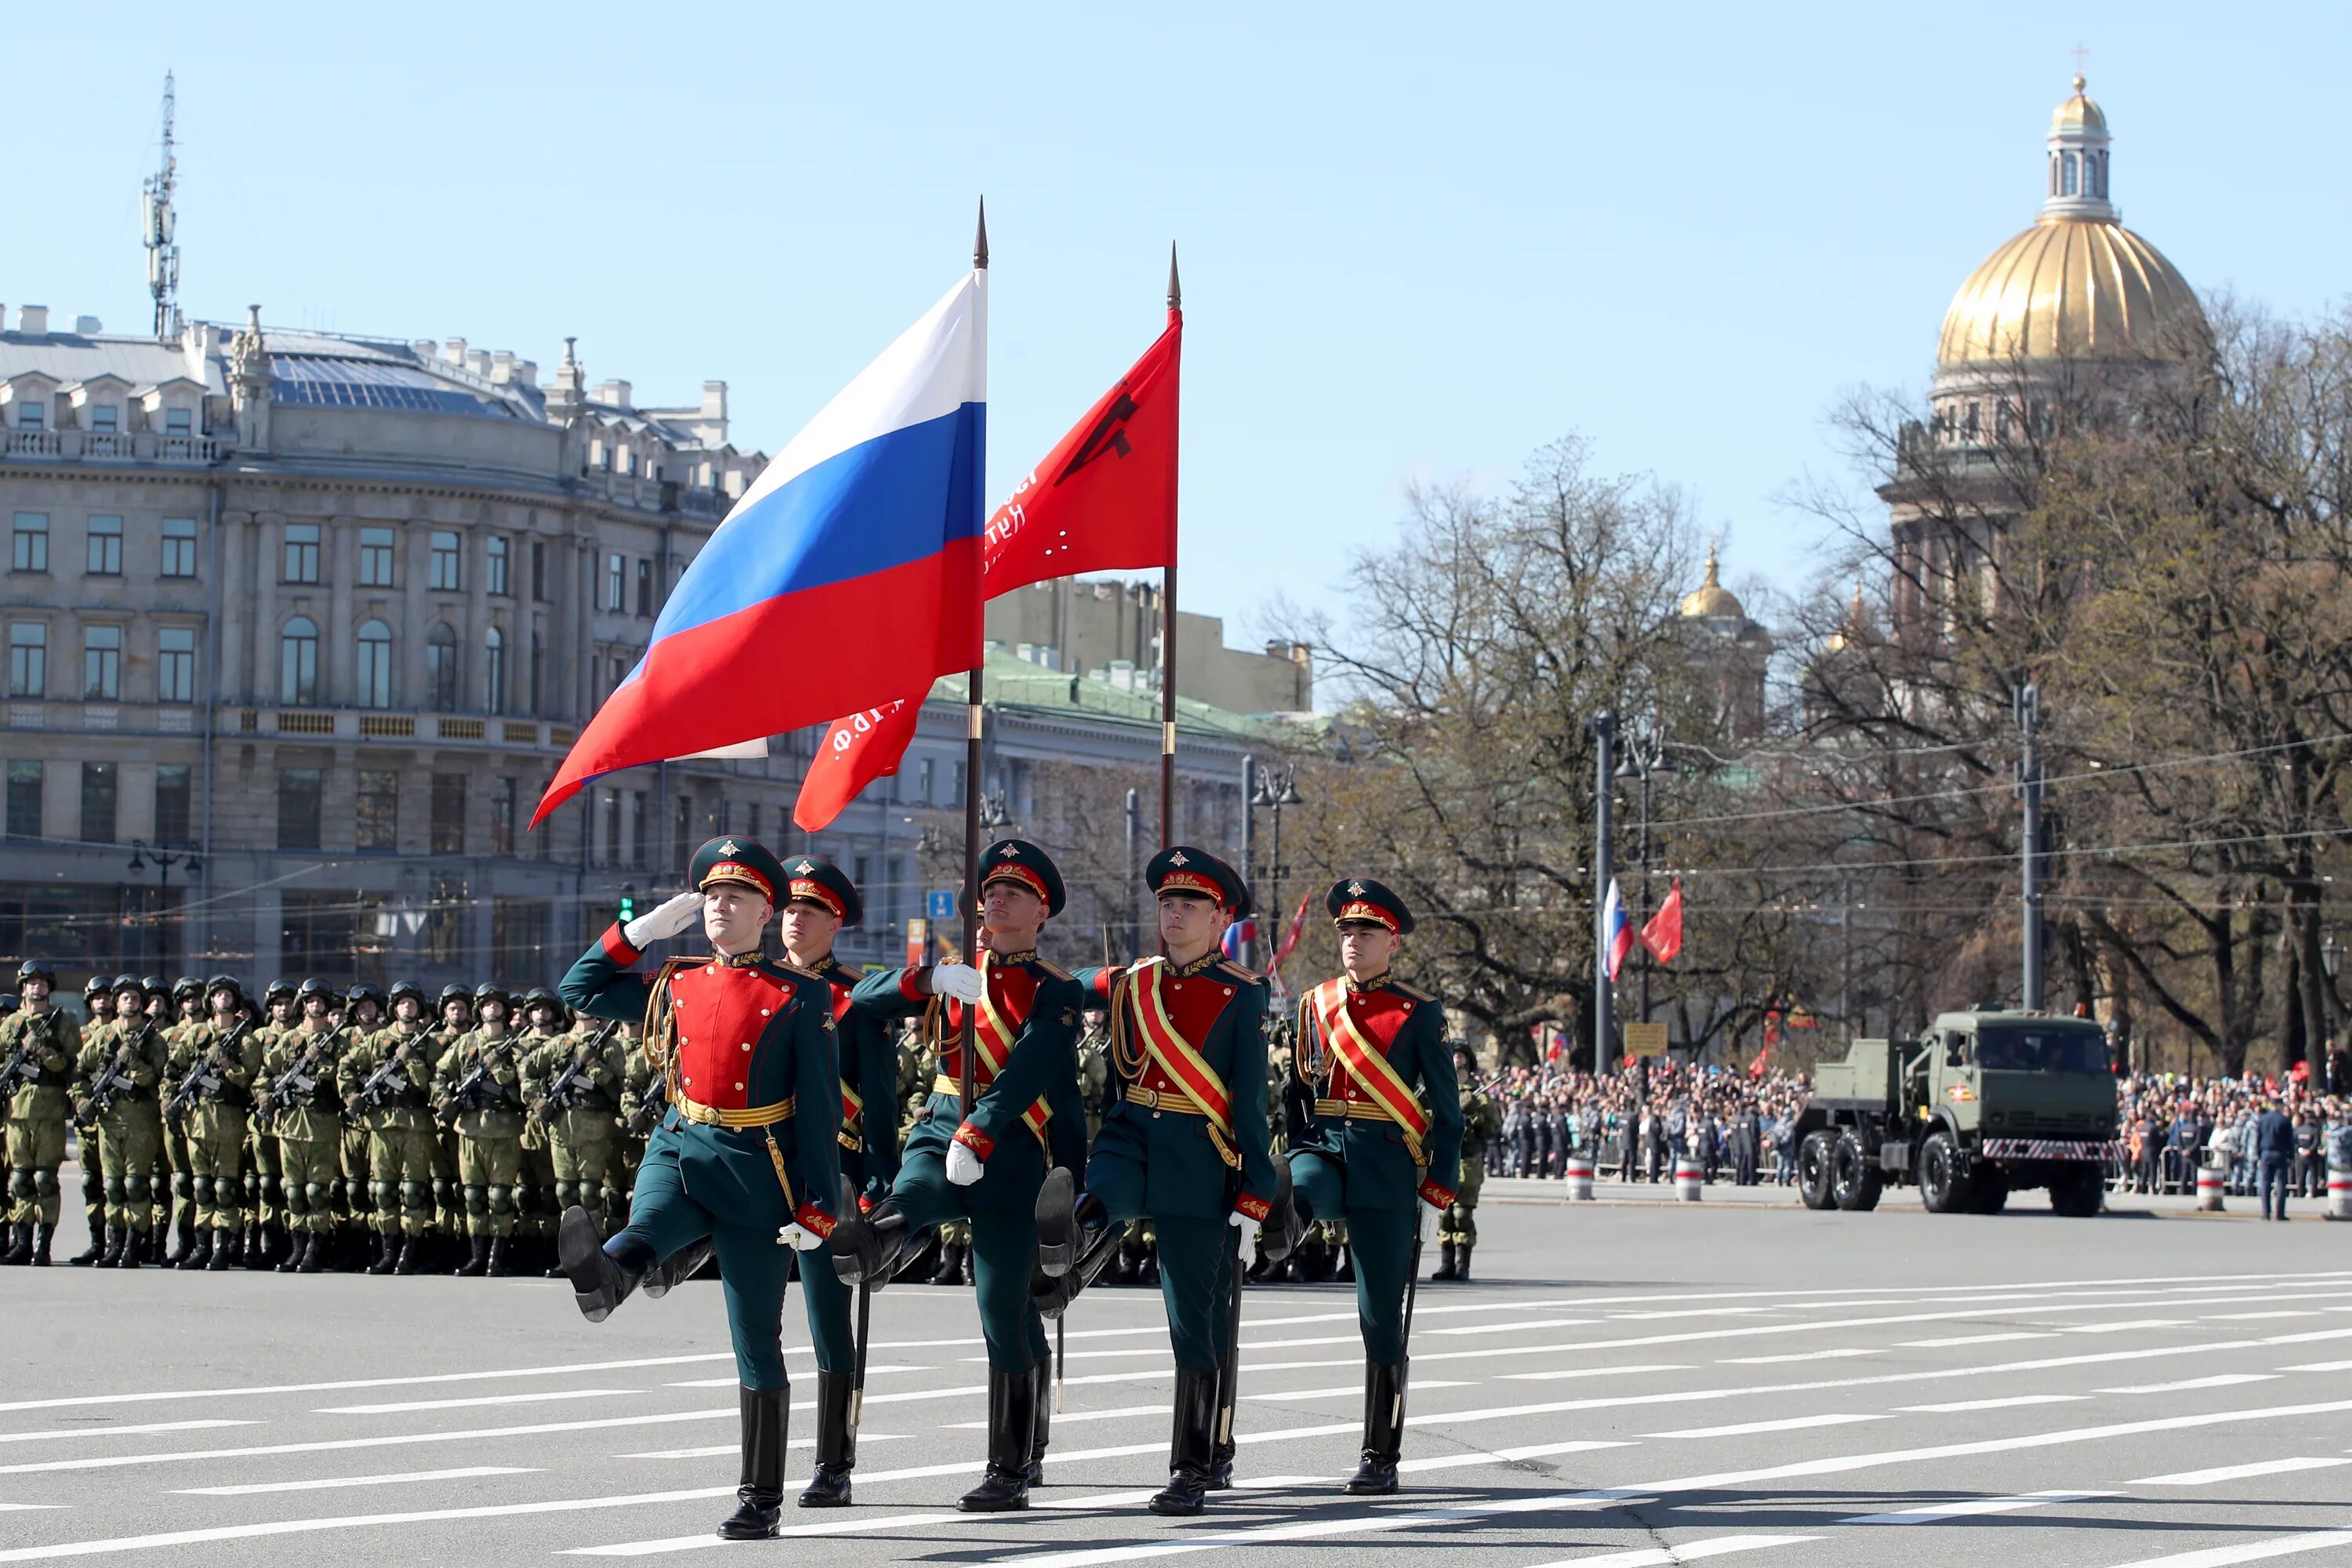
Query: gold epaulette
point(1054, 971)
point(1412, 993)
point(1246, 976)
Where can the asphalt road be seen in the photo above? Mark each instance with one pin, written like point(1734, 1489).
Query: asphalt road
point(1624, 1385)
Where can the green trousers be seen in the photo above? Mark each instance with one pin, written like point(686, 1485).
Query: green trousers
point(488, 1170)
point(1194, 1254)
point(400, 1174)
point(1003, 1254)
point(1379, 1242)
point(752, 1268)
point(216, 1165)
point(37, 1147)
point(129, 1140)
point(311, 1169)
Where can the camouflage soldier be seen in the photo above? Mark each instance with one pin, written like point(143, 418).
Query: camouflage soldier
point(478, 1090)
point(298, 1074)
point(39, 1044)
point(1094, 1068)
point(543, 1021)
point(357, 1223)
point(267, 1239)
point(386, 1083)
point(187, 1019)
point(454, 1013)
point(573, 1082)
point(122, 1066)
point(98, 1008)
point(645, 1095)
point(224, 1053)
point(161, 1014)
point(1482, 1122)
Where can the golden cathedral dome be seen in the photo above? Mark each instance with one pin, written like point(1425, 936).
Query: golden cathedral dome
point(2078, 284)
point(1711, 600)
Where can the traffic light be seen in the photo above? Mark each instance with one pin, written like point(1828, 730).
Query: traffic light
point(628, 905)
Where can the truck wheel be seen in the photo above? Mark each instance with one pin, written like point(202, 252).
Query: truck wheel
point(1814, 1174)
point(2078, 1193)
point(1855, 1179)
point(1942, 1186)
point(1991, 1194)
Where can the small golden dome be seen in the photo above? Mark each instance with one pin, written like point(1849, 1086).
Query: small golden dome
point(1856, 628)
point(2072, 287)
point(1711, 600)
point(2080, 112)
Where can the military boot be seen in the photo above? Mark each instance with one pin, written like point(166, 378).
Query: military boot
point(1461, 1260)
point(410, 1258)
point(387, 1254)
point(836, 1442)
point(951, 1268)
point(1059, 1225)
point(682, 1265)
point(1040, 1427)
point(134, 1249)
point(760, 1494)
point(198, 1253)
point(865, 1248)
point(316, 1245)
point(478, 1264)
point(43, 1233)
point(1012, 1406)
point(1220, 1430)
point(502, 1265)
point(1376, 1476)
point(1343, 1271)
point(88, 1255)
point(1188, 1448)
point(225, 1250)
point(1444, 1262)
point(185, 1239)
point(20, 1246)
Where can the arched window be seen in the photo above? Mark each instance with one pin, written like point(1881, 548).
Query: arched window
point(441, 668)
point(297, 661)
point(376, 665)
point(2066, 181)
point(2099, 177)
point(494, 672)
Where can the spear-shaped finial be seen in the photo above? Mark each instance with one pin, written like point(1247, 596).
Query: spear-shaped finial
point(1175, 288)
point(980, 239)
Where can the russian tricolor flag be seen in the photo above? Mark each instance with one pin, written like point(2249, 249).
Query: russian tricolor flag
point(1616, 929)
point(848, 576)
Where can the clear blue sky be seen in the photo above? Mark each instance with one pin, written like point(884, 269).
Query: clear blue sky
point(1418, 240)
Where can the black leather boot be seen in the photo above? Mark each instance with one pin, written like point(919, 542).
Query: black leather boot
point(1057, 1222)
point(387, 1255)
point(110, 1257)
point(225, 1250)
point(1190, 1446)
point(1041, 1424)
point(88, 1255)
point(1461, 1260)
point(1012, 1406)
point(760, 1493)
point(411, 1255)
point(1444, 1262)
point(315, 1246)
point(20, 1246)
point(1221, 1427)
point(1279, 1236)
point(836, 1442)
point(1376, 1476)
point(951, 1268)
point(601, 1273)
point(43, 1233)
point(1098, 1244)
point(477, 1264)
point(865, 1248)
point(136, 1249)
point(678, 1269)
point(185, 1240)
point(198, 1253)
point(501, 1259)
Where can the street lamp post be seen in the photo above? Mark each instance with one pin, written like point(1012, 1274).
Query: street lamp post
point(1645, 758)
point(140, 855)
point(2331, 962)
point(1277, 788)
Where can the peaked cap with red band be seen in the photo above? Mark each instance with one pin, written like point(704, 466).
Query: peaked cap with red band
point(1361, 898)
point(1184, 869)
point(813, 878)
point(745, 862)
point(1018, 861)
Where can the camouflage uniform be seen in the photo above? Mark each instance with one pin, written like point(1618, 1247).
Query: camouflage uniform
point(584, 1134)
point(215, 1125)
point(401, 1133)
point(130, 1129)
point(309, 1127)
point(536, 1210)
point(37, 1120)
point(489, 1132)
point(265, 1166)
point(1457, 1229)
point(180, 1221)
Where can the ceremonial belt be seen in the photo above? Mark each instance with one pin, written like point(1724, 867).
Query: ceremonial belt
point(853, 1119)
point(1176, 1057)
point(727, 1116)
point(1353, 1110)
point(1368, 1066)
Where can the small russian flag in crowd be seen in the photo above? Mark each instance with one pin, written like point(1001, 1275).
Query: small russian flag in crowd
point(1237, 936)
point(1617, 928)
point(847, 577)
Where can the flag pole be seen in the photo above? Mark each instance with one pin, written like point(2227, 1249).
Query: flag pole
point(1168, 605)
point(973, 722)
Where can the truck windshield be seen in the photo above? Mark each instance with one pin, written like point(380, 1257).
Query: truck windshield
point(2012, 1048)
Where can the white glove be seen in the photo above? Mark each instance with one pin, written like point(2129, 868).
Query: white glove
point(961, 981)
point(1429, 1215)
point(673, 916)
point(1248, 1228)
point(796, 1238)
point(963, 1166)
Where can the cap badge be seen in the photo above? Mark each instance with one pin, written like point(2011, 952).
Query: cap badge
point(804, 868)
point(1177, 860)
point(1010, 852)
point(1355, 889)
point(727, 847)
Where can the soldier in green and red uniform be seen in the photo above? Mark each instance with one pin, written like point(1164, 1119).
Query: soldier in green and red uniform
point(986, 1162)
point(745, 1154)
point(1184, 1141)
point(1375, 1137)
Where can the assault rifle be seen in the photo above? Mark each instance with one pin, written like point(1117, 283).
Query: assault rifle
point(390, 1077)
point(478, 1091)
point(204, 1081)
point(111, 1082)
point(653, 1108)
point(301, 1077)
point(21, 1067)
point(570, 1082)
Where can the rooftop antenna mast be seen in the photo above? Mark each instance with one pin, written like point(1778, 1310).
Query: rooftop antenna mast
point(163, 250)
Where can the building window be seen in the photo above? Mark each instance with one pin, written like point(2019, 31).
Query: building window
point(682, 833)
point(379, 809)
point(617, 581)
point(297, 661)
point(539, 570)
point(101, 663)
point(645, 589)
point(179, 422)
point(375, 666)
point(301, 552)
point(518, 938)
point(179, 547)
point(2066, 174)
point(444, 920)
point(105, 418)
point(175, 664)
point(97, 803)
point(378, 547)
point(318, 931)
point(448, 814)
point(448, 573)
point(299, 791)
point(32, 553)
point(494, 565)
point(28, 658)
point(752, 820)
point(174, 804)
point(608, 818)
point(24, 799)
point(105, 547)
point(956, 797)
point(494, 671)
point(640, 828)
point(502, 817)
point(441, 668)
point(538, 666)
point(30, 415)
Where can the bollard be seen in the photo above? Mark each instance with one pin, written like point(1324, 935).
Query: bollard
point(1687, 1186)
point(1580, 1178)
point(2340, 1192)
point(2210, 1174)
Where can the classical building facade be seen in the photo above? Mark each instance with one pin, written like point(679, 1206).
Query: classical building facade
point(300, 624)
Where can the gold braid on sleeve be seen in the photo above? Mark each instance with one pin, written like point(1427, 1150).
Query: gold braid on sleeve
point(660, 1025)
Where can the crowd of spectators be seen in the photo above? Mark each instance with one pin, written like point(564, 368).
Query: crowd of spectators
point(1634, 1125)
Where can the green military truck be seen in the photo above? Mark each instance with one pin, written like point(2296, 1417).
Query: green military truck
point(1988, 1101)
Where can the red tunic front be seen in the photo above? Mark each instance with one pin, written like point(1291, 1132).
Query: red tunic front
point(720, 1014)
point(1378, 1014)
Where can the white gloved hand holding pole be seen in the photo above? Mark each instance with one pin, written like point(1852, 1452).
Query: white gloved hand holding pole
point(963, 1166)
point(961, 981)
point(667, 920)
point(1247, 1240)
point(796, 1238)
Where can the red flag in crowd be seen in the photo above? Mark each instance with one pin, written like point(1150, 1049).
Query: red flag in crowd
point(1103, 499)
point(1664, 935)
point(1755, 1068)
point(1290, 937)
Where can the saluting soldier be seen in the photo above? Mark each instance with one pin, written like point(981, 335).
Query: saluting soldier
point(299, 1083)
point(745, 1154)
point(478, 1091)
point(572, 1082)
point(986, 1162)
point(41, 1042)
point(1482, 1124)
point(1184, 1140)
point(1375, 1138)
point(231, 1056)
point(386, 1083)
